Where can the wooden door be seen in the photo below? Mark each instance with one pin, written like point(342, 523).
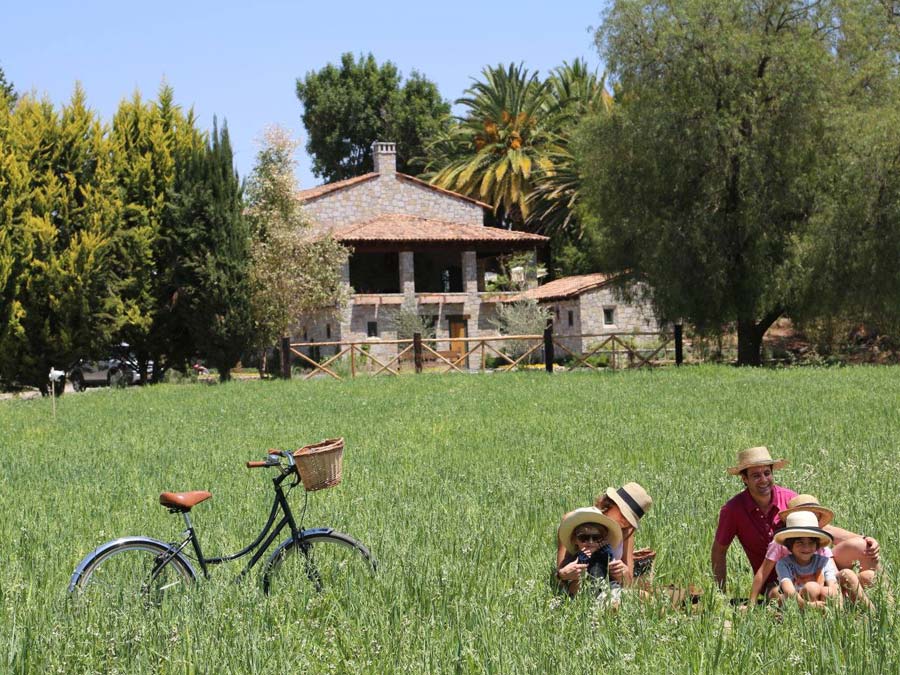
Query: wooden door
point(457, 330)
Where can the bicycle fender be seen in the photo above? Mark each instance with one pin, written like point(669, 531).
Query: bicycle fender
point(290, 540)
point(102, 548)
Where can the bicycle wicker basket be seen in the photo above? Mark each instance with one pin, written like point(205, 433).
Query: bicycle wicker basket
point(320, 464)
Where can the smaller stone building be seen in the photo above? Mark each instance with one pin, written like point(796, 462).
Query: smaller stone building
point(592, 305)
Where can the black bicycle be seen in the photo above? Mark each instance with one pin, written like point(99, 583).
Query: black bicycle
point(317, 559)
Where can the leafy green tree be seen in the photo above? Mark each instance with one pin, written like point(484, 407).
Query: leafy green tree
point(291, 271)
point(58, 212)
point(853, 257)
point(348, 107)
point(503, 138)
point(709, 169)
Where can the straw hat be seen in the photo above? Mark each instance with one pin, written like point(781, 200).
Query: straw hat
point(803, 524)
point(755, 457)
point(632, 500)
point(808, 503)
point(588, 514)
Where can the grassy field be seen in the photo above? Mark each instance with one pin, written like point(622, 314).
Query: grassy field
point(456, 483)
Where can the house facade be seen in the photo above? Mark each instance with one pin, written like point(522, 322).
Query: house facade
point(416, 248)
point(591, 305)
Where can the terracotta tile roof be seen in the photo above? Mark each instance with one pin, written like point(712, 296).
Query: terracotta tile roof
point(321, 190)
point(567, 287)
point(318, 191)
point(398, 227)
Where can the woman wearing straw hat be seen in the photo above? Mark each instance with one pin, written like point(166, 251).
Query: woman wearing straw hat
point(752, 515)
point(625, 506)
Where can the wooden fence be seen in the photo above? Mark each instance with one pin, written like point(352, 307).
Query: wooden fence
point(354, 357)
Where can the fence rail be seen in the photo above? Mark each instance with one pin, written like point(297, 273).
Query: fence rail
point(501, 353)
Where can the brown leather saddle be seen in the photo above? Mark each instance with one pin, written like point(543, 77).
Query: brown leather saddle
point(183, 501)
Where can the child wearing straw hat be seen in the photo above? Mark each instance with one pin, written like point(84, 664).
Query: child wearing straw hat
point(803, 574)
point(590, 538)
point(776, 550)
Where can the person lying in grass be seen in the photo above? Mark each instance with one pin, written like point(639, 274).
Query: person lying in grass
point(592, 540)
point(626, 506)
point(804, 575)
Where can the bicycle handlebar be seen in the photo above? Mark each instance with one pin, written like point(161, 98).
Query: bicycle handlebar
point(272, 459)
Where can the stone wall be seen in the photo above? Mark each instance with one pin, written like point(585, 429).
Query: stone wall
point(389, 193)
point(588, 318)
point(628, 317)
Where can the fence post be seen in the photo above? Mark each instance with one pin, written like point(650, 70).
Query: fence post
point(679, 344)
point(548, 346)
point(417, 352)
point(286, 357)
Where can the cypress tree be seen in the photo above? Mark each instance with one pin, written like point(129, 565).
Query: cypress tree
point(214, 296)
point(58, 209)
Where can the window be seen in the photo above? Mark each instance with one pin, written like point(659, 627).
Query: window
point(571, 318)
point(372, 329)
point(328, 331)
point(609, 316)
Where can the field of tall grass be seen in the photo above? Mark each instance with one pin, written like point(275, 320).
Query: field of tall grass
point(457, 484)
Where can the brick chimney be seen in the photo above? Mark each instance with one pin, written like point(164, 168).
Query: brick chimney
point(385, 157)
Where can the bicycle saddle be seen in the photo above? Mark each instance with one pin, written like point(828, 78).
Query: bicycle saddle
point(183, 501)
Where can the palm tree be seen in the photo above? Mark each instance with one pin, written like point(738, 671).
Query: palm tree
point(494, 150)
point(576, 93)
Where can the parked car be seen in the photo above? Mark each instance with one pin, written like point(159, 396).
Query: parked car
point(120, 368)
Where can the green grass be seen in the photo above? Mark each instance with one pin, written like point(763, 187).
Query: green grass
point(456, 483)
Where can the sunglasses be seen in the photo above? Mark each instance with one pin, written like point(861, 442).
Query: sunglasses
point(590, 538)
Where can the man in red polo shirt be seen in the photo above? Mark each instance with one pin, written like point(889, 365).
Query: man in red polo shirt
point(752, 515)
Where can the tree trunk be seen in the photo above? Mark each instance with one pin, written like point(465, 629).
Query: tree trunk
point(750, 335)
point(749, 343)
point(224, 374)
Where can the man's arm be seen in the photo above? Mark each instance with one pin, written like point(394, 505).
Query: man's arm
point(719, 564)
point(841, 535)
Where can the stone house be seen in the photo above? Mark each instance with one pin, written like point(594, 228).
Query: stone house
point(416, 248)
point(590, 305)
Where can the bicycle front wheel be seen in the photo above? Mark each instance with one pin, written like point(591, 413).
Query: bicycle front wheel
point(133, 568)
point(329, 561)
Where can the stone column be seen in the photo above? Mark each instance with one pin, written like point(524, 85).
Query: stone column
point(472, 306)
point(470, 272)
point(343, 315)
point(407, 276)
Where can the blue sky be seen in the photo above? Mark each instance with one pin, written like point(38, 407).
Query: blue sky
point(240, 61)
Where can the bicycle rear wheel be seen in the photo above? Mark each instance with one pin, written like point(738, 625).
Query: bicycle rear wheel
point(321, 562)
point(135, 568)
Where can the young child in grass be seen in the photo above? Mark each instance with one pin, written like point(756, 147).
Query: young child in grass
point(776, 551)
point(851, 583)
point(804, 574)
point(589, 537)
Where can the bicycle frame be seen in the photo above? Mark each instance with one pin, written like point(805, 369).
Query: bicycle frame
point(263, 541)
